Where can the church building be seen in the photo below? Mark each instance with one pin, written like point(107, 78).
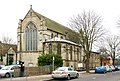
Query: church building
point(37, 34)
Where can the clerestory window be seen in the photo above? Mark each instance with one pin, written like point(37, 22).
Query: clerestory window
point(31, 37)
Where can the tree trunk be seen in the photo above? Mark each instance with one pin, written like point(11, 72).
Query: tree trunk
point(87, 65)
point(101, 61)
point(114, 58)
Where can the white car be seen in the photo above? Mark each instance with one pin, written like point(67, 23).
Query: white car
point(108, 68)
point(112, 67)
point(1, 66)
point(64, 72)
point(8, 71)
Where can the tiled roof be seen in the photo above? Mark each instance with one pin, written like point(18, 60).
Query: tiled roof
point(5, 47)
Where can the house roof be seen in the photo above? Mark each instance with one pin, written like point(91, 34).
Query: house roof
point(5, 47)
point(106, 56)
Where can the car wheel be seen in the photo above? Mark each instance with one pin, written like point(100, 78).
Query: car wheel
point(68, 77)
point(77, 75)
point(7, 75)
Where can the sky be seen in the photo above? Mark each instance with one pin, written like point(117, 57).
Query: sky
point(58, 10)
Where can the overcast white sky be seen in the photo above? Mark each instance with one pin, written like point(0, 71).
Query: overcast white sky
point(58, 10)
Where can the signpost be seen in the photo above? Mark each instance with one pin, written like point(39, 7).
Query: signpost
point(80, 66)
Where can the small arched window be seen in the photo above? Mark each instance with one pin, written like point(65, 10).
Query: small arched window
point(31, 37)
point(77, 54)
point(50, 48)
point(59, 48)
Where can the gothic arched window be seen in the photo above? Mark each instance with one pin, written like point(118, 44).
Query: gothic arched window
point(59, 48)
point(50, 48)
point(31, 37)
point(77, 54)
point(71, 52)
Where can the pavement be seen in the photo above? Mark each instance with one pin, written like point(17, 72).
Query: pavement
point(40, 77)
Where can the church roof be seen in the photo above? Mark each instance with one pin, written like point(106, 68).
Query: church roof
point(52, 25)
point(56, 39)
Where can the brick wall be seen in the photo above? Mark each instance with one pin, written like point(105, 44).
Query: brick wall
point(33, 71)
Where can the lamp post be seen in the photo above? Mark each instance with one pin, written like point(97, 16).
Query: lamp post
point(53, 62)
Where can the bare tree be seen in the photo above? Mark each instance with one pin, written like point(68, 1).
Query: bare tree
point(103, 51)
point(7, 40)
point(112, 43)
point(89, 29)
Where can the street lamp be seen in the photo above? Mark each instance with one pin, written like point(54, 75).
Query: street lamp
point(53, 62)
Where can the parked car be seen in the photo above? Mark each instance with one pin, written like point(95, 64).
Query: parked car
point(118, 67)
point(8, 71)
point(101, 69)
point(1, 66)
point(108, 68)
point(65, 72)
point(112, 67)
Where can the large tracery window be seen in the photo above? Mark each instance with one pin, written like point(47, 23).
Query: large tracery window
point(31, 37)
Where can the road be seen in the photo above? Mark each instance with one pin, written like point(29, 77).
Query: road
point(112, 76)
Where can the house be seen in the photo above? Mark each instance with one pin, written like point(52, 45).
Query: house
point(94, 60)
point(106, 59)
point(8, 53)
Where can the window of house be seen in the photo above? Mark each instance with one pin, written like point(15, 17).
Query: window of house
point(31, 37)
